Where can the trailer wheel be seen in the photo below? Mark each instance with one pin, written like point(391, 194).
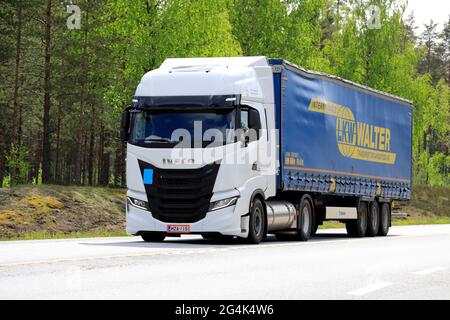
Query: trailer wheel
point(153, 237)
point(256, 223)
point(305, 219)
point(373, 219)
point(314, 229)
point(357, 228)
point(385, 218)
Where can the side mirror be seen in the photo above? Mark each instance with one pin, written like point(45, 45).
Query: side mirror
point(125, 125)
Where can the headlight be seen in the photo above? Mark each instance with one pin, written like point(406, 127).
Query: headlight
point(216, 205)
point(140, 204)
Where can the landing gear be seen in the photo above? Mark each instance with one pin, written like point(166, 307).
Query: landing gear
point(357, 228)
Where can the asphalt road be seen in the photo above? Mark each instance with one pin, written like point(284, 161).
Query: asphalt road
point(411, 263)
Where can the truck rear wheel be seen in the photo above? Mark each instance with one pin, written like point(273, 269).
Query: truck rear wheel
point(153, 237)
point(357, 228)
point(256, 223)
point(305, 219)
point(373, 219)
point(314, 229)
point(385, 219)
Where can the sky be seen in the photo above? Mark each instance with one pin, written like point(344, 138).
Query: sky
point(425, 10)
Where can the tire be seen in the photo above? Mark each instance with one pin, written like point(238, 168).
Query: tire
point(257, 223)
point(373, 219)
point(314, 229)
point(211, 236)
point(385, 219)
point(305, 221)
point(153, 237)
point(357, 228)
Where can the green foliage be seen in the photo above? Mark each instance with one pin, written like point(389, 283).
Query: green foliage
point(95, 70)
point(18, 165)
point(439, 170)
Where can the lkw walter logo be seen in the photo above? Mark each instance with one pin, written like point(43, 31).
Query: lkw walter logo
point(355, 139)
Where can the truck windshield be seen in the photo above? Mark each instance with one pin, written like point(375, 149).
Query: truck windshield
point(205, 128)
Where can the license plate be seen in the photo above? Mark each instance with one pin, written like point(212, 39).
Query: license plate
point(178, 228)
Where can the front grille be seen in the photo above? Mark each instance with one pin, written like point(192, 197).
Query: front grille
point(180, 195)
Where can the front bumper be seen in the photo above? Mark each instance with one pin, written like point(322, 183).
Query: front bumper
point(224, 221)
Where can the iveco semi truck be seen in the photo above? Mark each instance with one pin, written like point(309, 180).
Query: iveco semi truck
point(249, 146)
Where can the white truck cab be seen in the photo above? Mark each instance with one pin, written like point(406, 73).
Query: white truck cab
point(201, 188)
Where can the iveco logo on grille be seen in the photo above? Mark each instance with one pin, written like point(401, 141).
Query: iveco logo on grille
point(178, 161)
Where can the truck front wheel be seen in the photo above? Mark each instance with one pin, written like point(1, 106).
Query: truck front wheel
point(357, 228)
point(153, 237)
point(256, 223)
point(305, 223)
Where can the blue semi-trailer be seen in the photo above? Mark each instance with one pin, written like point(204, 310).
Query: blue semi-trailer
point(249, 146)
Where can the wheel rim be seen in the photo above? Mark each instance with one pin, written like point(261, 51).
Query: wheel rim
point(306, 219)
point(257, 225)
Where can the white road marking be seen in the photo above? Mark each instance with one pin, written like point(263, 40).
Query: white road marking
point(373, 287)
point(428, 271)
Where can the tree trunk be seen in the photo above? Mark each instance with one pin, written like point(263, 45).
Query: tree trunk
point(118, 165)
point(14, 131)
point(106, 158)
point(100, 154)
point(31, 154)
point(84, 67)
point(85, 155)
point(46, 174)
point(91, 150)
point(15, 117)
point(58, 139)
point(38, 157)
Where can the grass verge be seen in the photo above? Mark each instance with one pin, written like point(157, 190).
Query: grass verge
point(45, 236)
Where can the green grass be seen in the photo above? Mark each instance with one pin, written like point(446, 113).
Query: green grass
point(421, 221)
point(45, 235)
point(331, 225)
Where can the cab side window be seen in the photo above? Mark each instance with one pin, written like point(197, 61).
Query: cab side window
point(250, 123)
point(244, 120)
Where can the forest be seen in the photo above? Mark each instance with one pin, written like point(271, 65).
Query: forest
point(63, 85)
